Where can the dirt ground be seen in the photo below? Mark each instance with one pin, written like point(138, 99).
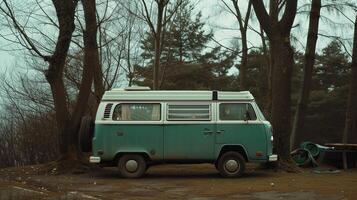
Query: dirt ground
point(196, 182)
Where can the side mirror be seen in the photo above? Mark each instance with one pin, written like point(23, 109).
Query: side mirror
point(247, 116)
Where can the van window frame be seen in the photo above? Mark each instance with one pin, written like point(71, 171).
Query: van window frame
point(210, 113)
point(111, 121)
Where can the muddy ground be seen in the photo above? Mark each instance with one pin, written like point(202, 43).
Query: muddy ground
point(199, 182)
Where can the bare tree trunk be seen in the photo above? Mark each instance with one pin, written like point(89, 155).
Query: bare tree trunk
point(161, 5)
point(98, 81)
point(128, 57)
point(282, 62)
point(90, 65)
point(91, 51)
point(65, 10)
point(281, 108)
point(309, 62)
point(351, 113)
point(243, 27)
point(244, 62)
point(267, 72)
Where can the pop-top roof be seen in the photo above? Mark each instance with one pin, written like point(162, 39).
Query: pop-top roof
point(173, 95)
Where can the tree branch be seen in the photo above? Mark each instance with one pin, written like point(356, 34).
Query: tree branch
point(263, 16)
point(147, 17)
point(288, 18)
point(9, 13)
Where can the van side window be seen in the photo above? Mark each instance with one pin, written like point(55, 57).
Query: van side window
point(236, 111)
point(137, 112)
point(187, 112)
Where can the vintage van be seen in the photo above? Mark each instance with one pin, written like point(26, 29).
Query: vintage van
point(137, 127)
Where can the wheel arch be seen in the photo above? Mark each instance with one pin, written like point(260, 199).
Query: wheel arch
point(234, 147)
point(121, 153)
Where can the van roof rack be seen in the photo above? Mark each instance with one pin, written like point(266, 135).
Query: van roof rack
point(145, 94)
point(137, 88)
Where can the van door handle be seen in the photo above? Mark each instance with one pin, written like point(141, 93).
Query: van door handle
point(120, 133)
point(207, 132)
point(220, 132)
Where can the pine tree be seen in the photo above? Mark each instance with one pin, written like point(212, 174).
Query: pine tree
point(332, 68)
point(186, 60)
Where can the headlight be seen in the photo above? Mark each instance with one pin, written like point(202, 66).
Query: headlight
point(271, 138)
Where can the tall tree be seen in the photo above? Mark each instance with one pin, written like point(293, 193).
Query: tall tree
point(278, 32)
point(351, 114)
point(243, 22)
point(54, 75)
point(91, 60)
point(309, 62)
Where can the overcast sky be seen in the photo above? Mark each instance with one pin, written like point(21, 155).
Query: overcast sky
point(225, 28)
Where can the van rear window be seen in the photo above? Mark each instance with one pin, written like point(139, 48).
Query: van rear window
point(187, 112)
point(137, 112)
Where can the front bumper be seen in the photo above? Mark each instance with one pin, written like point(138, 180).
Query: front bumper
point(94, 159)
point(273, 158)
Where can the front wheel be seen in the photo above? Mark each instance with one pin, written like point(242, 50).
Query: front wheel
point(231, 164)
point(132, 166)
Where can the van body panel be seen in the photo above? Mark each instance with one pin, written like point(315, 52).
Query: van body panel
point(251, 136)
point(114, 138)
point(189, 141)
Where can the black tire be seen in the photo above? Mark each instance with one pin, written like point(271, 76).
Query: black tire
point(85, 135)
point(231, 156)
point(141, 166)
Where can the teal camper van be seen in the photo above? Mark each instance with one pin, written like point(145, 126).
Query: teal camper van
point(137, 127)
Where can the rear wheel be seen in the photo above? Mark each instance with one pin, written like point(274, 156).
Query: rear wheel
point(231, 164)
point(132, 166)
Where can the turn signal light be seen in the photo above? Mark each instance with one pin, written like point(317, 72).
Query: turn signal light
point(259, 153)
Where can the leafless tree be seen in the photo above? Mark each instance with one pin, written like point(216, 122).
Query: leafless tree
point(243, 28)
point(67, 126)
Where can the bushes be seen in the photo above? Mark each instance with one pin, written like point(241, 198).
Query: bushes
point(30, 139)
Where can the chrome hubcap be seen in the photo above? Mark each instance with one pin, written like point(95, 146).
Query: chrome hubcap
point(131, 165)
point(232, 165)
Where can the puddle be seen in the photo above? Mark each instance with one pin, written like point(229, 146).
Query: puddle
point(19, 193)
point(99, 188)
point(177, 191)
point(75, 196)
point(201, 198)
point(272, 195)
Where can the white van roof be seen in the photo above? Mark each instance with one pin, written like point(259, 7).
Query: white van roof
point(145, 94)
